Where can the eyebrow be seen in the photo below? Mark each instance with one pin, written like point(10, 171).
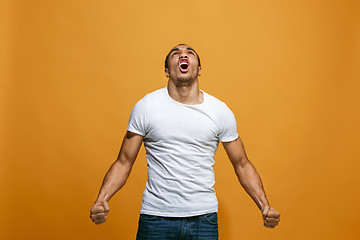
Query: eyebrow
point(177, 49)
point(189, 48)
point(173, 50)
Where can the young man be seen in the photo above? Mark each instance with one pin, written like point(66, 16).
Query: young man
point(181, 127)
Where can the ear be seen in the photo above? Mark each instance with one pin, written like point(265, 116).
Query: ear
point(167, 72)
point(199, 71)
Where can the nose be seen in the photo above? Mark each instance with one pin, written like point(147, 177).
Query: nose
point(183, 55)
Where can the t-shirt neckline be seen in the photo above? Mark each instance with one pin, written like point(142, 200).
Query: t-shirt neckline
point(187, 105)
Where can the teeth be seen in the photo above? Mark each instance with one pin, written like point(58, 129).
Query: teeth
point(183, 63)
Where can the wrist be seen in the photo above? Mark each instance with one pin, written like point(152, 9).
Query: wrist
point(265, 207)
point(102, 197)
point(263, 204)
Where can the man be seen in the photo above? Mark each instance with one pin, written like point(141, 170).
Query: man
point(181, 127)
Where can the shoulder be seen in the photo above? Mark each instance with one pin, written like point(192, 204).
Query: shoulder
point(152, 96)
point(155, 95)
point(216, 104)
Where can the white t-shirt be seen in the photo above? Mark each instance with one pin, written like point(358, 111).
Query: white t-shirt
point(180, 142)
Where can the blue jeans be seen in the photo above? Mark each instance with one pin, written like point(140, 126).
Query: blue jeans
point(204, 227)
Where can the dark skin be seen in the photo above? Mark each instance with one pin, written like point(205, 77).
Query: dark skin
point(251, 181)
point(116, 176)
point(183, 87)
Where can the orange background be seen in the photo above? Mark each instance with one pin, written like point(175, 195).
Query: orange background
point(71, 71)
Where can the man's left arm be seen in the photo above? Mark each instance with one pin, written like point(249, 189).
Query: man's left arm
point(251, 181)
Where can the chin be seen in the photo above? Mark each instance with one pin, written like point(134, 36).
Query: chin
point(184, 79)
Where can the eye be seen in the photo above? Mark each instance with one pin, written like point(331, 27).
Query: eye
point(191, 52)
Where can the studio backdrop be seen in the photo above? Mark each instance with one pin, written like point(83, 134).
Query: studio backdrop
point(71, 71)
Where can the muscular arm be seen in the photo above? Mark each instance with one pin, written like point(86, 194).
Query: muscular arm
point(116, 176)
point(250, 180)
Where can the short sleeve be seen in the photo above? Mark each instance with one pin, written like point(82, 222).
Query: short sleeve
point(228, 127)
point(137, 120)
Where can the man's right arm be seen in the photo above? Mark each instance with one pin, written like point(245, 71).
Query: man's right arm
point(116, 176)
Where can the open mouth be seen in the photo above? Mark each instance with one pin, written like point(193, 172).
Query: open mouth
point(184, 66)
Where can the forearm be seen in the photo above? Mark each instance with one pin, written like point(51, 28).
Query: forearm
point(251, 182)
point(114, 179)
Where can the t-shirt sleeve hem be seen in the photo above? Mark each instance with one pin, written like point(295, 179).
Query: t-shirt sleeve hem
point(230, 138)
point(131, 129)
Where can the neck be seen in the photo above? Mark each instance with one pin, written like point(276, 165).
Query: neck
point(185, 93)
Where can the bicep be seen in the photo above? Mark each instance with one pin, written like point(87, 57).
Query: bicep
point(130, 147)
point(236, 152)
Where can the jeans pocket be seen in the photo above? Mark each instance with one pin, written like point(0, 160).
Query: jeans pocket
point(147, 217)
point(211, 218)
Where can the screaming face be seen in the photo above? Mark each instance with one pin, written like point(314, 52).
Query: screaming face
point(182, 65)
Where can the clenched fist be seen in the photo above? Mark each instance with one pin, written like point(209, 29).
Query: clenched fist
point(271, 217)
point(99, 211)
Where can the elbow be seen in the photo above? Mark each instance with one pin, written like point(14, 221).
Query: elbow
point(241, 165)
point(241, 162)
point(124, 162)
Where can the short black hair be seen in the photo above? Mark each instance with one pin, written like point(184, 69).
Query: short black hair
point(168, 55)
